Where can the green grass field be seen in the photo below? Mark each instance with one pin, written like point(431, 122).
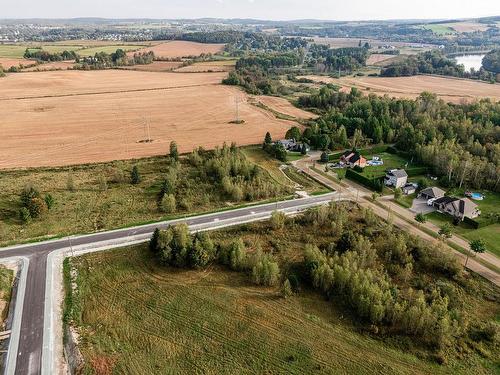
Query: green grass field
point(17, 50)
point(391, 161)
point(406, 200)
point(12, 51)
point(489, 234)
point(138, 317)
point(440, 29)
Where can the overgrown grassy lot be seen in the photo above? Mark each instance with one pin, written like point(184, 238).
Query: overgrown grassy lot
point(288, 176)
point(137, 315)
point(96, 197)
point(6, 280)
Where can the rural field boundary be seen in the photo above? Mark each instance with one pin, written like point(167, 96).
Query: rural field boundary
point(109, 92)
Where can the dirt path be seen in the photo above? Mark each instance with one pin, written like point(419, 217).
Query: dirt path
point(362, 195)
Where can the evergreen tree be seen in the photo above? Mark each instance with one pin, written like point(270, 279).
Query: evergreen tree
point(174, 153)
point(153, 242)
point(135, 176)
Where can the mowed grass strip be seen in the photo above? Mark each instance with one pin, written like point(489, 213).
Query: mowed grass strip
point(139, 317)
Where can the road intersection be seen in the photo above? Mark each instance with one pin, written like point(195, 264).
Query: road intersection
point(34, 346)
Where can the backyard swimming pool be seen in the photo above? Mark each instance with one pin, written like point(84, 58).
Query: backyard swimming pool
point(477, 196)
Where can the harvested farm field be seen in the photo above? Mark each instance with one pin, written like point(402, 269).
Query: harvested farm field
point(449, 89)
point(78, 82)
point(54, 65)
point(155, 66)
point(178, 48)
point(283, 106)
point(377, 58)
point(76, 117)
point(7, 62)
point(209, 66)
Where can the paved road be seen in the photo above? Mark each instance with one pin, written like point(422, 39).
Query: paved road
point(29, 353)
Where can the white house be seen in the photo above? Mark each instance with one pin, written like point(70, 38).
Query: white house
point(396, 178)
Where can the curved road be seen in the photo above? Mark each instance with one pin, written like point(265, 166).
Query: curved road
point(28, 357)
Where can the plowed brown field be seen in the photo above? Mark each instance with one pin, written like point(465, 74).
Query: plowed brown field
point(55, 65)
point(8, 62)
point(178, 48)
point(449, 89)
point(282, 105)
point(74, 117)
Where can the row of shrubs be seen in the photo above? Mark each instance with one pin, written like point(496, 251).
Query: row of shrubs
point(484, 222)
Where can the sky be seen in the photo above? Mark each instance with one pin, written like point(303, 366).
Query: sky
point(259, 9)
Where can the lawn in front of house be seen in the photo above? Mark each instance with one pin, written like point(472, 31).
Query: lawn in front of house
point(406, 200)
point(489, 234)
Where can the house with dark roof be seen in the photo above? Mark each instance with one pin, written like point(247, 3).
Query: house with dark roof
point(396, 178)
point(457, 207)
point(431, 193)
point(353, 158)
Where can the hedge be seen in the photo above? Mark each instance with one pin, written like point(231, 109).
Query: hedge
point(483, 222)
point(416, 171)
point(371, 183)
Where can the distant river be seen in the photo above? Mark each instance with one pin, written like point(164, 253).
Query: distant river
point(470, 61)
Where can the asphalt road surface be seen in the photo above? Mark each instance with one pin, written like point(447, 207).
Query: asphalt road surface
point(29, 353)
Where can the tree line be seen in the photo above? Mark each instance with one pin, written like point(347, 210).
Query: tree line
point(460, 142)
point(434, 62)
point(103, 60)
point(491, 61)
point(326, 59)
point(42, 55)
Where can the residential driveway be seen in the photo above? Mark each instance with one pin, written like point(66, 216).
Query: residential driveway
point(420, 206)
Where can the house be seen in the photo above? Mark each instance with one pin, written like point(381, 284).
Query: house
point(409, 189)
point(431, 193)
point(292, 145)
point(396, 178)
point(353, 158)
point(456, 207)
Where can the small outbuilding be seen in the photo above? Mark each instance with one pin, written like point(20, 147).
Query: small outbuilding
point(409, 189)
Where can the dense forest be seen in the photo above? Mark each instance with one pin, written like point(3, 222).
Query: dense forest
point(433, 62)
point(257, 74)
point(461, 143)
point(241, 41)
point(322, 58)
point(491, 61)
